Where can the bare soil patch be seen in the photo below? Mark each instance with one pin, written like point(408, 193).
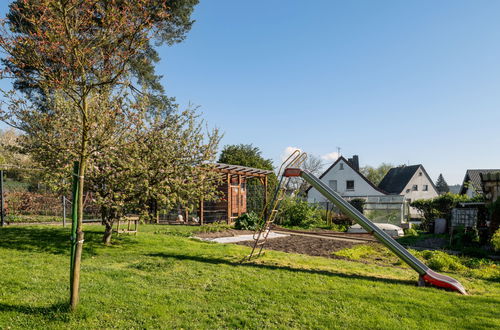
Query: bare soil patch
point(312, 246)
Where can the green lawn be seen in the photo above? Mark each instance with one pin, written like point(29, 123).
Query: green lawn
point(162, 278)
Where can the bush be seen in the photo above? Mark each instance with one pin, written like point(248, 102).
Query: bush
point(410, 232)
point(495, 240)
point(464, 237)
point(247, 221)
point(439, 207)
point(297, 212)
point(494, 210)
point(358, 204)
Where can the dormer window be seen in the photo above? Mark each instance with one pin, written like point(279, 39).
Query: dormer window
point(341, 166)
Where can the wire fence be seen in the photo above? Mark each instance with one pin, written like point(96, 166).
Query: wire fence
point(25, 200)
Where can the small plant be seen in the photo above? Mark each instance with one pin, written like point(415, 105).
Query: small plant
point(441, 261)
point(410, 232)
point(495, 240)
point(247, 221)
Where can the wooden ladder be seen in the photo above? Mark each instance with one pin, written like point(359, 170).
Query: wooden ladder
point(270, 214)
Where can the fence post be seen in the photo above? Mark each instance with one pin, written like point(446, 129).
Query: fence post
point(64, 210)
point(2, 209)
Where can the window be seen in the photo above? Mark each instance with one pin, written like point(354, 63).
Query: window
point(419, 173)
point(333, 184)
point(425, 187)
point(408, 190)
point(341, 166)
point(349, 185)
point(414, 188)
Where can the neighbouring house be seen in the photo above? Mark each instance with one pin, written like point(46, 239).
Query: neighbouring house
point(412, 182)
point(473, 182)
point(491, 185)
point(343, 176)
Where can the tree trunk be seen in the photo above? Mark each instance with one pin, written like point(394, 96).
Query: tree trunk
point(108, 232)
point(75, 287)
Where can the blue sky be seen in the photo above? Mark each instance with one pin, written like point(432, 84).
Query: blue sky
point(392, 81)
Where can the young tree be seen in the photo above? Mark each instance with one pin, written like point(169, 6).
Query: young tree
point(78, 52)
point(441, 185)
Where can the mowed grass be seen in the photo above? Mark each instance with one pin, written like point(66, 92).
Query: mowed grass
point(163, 279)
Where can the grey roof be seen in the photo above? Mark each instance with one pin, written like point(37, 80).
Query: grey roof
point(397, 178)
point(474, 177)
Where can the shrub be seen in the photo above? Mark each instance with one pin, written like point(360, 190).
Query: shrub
point(358, 204)
point(410, 232)
point(441, 261)
point(335, 227)
point(464, 237)
point(297, 212)
point(247, 221)
point(494, 210)
point(440, 207)
point(495, 240)
point(342, 220)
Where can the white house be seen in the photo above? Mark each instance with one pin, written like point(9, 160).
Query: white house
point(413, 182)
point(344, 177)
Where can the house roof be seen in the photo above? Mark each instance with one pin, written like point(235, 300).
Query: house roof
point(395, 181)
point(474, 177)
point(354, 169)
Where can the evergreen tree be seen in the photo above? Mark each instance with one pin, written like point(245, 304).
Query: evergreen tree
point(441, 185)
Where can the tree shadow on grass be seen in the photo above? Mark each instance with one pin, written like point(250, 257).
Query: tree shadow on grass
point(218, 261)
point(54, 312)
point(54, 240)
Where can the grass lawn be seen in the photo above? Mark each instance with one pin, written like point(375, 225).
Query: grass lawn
point(162, 278)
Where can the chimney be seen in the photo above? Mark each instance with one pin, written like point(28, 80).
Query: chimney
point(354, 162)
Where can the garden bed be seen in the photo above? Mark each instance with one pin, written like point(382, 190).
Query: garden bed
point(312, 246)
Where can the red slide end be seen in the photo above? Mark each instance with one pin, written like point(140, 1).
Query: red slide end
point(443, 281)
point(290, 172)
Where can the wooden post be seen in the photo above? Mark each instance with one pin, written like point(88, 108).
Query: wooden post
point(265, 192)
point(201, 212)
point(240, 195)
point(229, 199)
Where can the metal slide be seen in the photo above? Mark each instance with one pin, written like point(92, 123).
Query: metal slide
point(426, 274)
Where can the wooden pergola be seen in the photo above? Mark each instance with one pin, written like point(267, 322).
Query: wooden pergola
point(234, 189)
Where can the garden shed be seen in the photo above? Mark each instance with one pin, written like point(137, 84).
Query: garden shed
point(234, 189)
